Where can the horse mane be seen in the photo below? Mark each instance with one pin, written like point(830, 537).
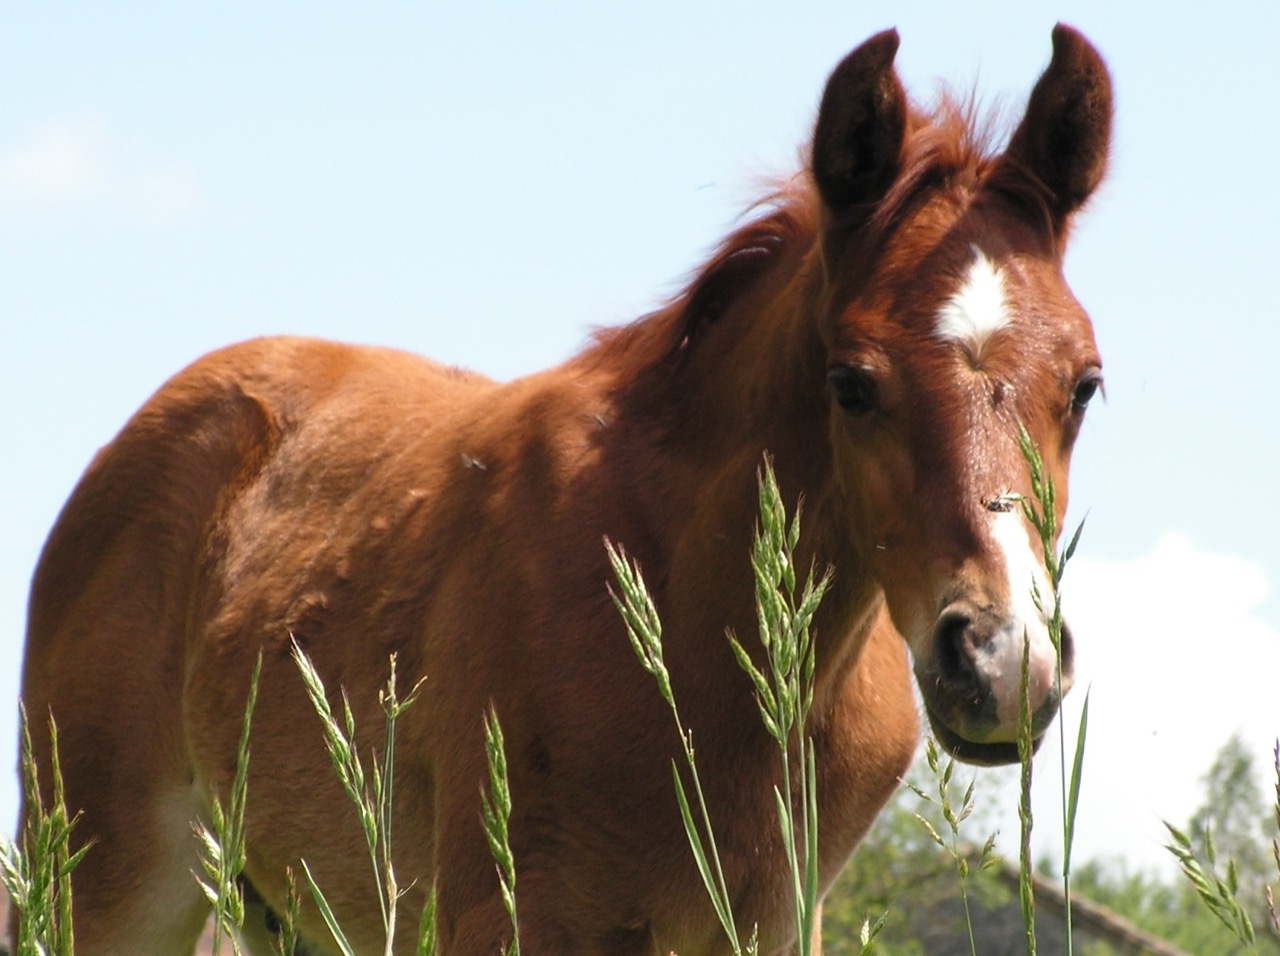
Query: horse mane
point(948, 147)
point(781, 221)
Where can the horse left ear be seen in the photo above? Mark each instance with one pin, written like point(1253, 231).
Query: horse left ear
point(1065, 135)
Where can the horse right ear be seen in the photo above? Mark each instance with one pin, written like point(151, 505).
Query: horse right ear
point(1063, 140)
point(857, 145)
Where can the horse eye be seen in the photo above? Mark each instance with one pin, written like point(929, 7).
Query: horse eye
point(854, 388)
point(1088, 386)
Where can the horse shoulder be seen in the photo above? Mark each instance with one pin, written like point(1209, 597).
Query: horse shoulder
point(868, 741)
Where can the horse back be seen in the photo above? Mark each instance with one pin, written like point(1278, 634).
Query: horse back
point(155, 493)
point(132, 641)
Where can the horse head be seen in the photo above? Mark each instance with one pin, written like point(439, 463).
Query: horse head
point(949, 329)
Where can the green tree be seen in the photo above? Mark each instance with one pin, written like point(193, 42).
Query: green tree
point(1237, 821)
point(1232, 821)
point(1166, 906)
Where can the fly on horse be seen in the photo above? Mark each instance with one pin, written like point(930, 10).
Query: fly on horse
point(883, 327)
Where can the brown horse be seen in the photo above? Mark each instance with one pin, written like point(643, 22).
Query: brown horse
point(882, 329)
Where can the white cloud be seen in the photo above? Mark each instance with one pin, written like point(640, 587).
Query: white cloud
point(1177, 659)
point(65, 163)
point(58, 162)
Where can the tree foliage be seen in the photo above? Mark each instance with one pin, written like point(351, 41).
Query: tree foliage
point(899, 872)
point(1230, 827)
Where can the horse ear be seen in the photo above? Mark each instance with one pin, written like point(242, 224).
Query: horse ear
point(857, 143)
point(1065, 135)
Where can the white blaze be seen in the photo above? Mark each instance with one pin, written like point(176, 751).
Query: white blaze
point(977, 310)
point(1026, 575)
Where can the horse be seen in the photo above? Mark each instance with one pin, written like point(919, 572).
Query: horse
point(883, 325)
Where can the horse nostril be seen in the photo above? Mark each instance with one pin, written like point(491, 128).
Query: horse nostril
point(953, 645)
point(1068, 650)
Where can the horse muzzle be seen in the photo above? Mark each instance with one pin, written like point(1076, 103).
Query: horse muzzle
point(972, 681)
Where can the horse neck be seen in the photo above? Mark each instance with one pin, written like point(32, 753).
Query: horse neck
point(715, 420)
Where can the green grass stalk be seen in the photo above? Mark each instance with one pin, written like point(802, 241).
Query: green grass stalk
point(869, 934)
point(222, 846)
point(496, 813)
point(286, 941)
point(1041, 511)
point(1026, 888)
point(1220, 893)
point(1275, 844)
point(644, 628)
point(36, 868)
point(428, 943)
point(784, 696)
point(370, 795)
point(954, 818)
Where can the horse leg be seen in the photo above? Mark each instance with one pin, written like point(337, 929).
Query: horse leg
point(108, 631)
point(109, 673)
point(134, 891)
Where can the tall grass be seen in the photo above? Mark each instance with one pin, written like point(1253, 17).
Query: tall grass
point(1026, 888)
point(1040, 510)
point(36, 869)
point(952, 844)
point(371, 795)
point(784, 695)
point(644, 628)
point(222, 846)
point(1221, 893)
point(1275, 843)
point(496, 813)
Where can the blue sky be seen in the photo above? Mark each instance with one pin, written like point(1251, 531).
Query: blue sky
point(484, 184)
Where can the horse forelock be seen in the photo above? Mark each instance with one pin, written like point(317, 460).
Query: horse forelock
point(953, 148)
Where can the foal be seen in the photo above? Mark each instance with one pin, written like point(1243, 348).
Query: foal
point(882, 330)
